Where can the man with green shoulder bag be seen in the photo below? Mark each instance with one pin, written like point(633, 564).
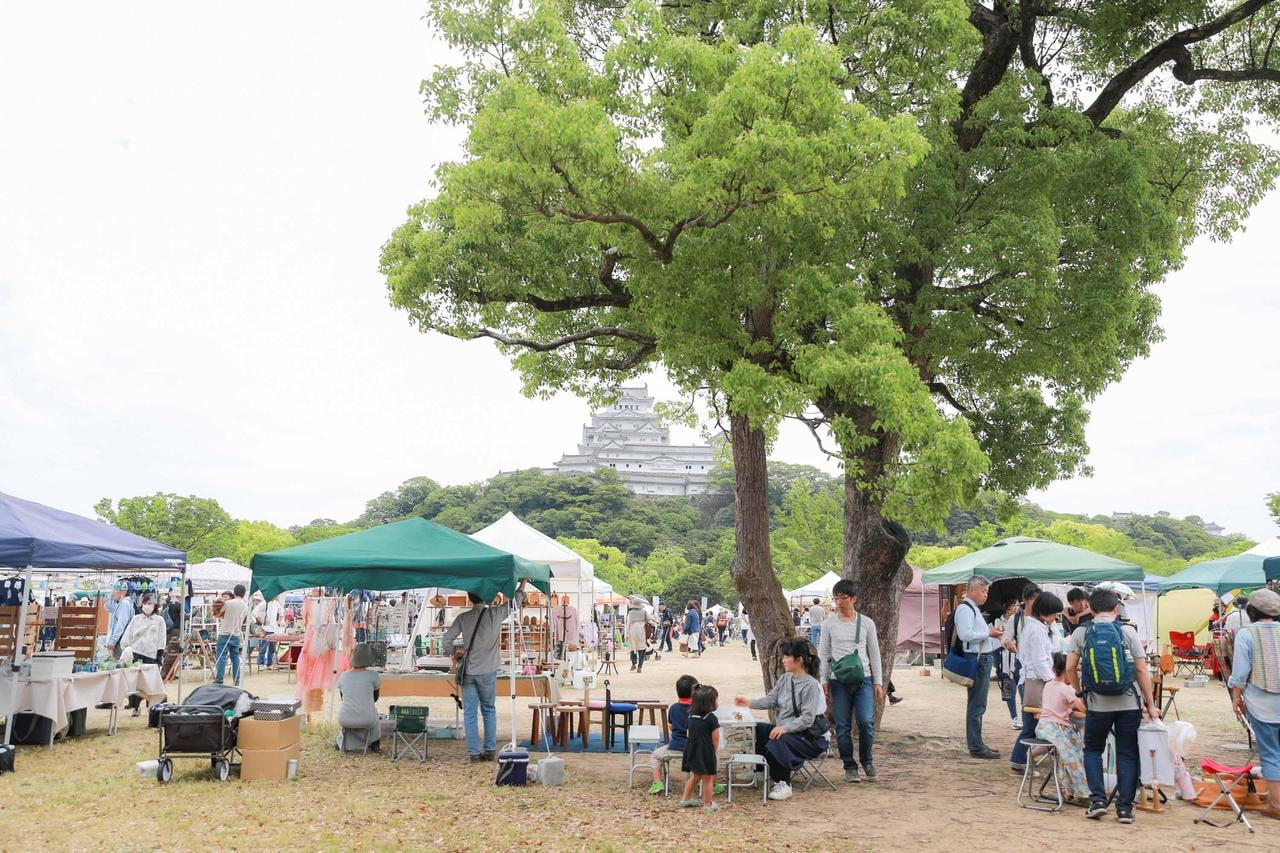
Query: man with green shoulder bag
point(849, 655)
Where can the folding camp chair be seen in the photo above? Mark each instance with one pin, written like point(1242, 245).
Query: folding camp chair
point(1187, 656)
point(409, 737)
point(1227, 778)
point(811, 770)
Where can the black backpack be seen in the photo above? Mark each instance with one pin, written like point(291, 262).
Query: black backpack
point(949, 630)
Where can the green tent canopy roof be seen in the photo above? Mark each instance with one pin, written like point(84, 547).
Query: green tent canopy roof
point(401, 555)
point(1243, 571)
point(1036, 560)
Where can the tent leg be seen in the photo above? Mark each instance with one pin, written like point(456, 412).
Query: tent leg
point(182, 631)
point(17, 659)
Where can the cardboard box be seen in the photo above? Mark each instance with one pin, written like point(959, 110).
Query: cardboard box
point(269, 734)
point(267, 764)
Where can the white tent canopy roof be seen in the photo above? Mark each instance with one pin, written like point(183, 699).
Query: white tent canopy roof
point(217, 574)
point(821, 588)
point(512, 535)
point(1270, 548)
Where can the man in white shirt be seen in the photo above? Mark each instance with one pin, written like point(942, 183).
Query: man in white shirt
point(816, 615)
point(272, 623)
point(234, 614)
point(977, 639)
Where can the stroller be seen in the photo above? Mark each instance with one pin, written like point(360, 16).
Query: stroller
point(205, 726)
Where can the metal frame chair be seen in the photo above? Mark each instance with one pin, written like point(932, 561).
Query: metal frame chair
point(812, 771)
point(1040, 751)
point(752, 761)
point(410, 720)
point(1188, 658)
point(642, 740)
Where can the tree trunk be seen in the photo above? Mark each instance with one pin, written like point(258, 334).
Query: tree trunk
point(752, 569)
point(875, 551)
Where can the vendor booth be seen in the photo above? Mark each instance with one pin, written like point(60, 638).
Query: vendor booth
point(820, 589)
point(39, 539)
point(217, 574)
point(403, 555)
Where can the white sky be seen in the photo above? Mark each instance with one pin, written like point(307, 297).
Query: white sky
point(192, 201)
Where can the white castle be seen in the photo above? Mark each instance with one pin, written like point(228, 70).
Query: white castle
point(628, 438)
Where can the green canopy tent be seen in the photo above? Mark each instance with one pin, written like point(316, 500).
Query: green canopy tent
point(1036, 560)
point(402, 555)
point(1243, 571)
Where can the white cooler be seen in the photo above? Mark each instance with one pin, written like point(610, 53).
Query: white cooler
point(51, 664)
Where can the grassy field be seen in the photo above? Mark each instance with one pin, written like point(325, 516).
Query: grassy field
point(84, 793)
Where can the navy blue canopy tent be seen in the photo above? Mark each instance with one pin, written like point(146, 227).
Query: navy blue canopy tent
point(34, 536)
point(42, 537)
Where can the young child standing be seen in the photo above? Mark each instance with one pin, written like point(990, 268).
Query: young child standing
point(699, 759)
point(1055, 726)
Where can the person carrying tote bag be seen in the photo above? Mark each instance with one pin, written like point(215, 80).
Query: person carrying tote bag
point(1035, 655)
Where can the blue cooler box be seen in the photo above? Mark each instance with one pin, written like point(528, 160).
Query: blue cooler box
point(513, 767)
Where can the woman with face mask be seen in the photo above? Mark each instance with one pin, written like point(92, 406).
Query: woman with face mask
point(145, 634)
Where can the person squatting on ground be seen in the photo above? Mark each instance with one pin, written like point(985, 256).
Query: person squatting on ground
point(851, 676)
point(699, 758)
point(1117, 685)
point(979, 640)
point(800, 731)
point(480, 629)
point(1255, 685)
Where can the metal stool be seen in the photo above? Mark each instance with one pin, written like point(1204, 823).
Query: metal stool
point(752, 762)
point(1047, 752)
point(346, 751)
point(642, 740)
point(812, 770)
point(666, 771)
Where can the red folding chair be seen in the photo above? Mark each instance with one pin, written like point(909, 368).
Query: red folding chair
point(1227, 778)
point(1188, 658)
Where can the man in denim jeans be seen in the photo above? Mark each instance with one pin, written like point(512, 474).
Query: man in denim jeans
point(982, 641)
point(844, 633)
point(1118, 715)
point(478, 632)
point(234, 614)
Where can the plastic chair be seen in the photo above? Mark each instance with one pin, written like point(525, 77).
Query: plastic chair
point(1187, 656)
point(756, 763)
point(409, 737)
point(642, 740)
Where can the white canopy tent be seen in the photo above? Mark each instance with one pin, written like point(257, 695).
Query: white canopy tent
point(217, 574)
point(1270, 548)
point(571, 575)
point(820, 588)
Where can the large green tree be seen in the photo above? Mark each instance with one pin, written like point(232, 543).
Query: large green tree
point(1273, 506)
point(199, 526)
point(644, 183)
point(655, 195)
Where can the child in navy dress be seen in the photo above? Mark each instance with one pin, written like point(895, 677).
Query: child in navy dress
point(699, 759)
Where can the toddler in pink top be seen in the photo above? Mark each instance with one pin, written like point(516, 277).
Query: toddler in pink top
point(1056, 705)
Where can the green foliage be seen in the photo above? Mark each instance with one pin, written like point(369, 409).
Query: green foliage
point(199, 526)
point(402, 503)
point(808, 541)
point(1273, 506)
point(321, 528)
point(253, 537)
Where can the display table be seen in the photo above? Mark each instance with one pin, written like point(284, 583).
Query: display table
point(56, 698)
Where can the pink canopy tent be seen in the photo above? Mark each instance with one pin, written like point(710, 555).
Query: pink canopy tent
point(918, 617)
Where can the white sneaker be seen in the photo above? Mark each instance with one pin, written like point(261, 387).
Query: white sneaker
point(1015, 725)
point(781, 791)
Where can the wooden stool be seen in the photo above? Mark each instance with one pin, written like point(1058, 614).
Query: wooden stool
point(657, 712)
point(1172, 703)
point(540, 710)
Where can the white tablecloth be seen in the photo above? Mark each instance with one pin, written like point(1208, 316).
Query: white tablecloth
point(56, 698)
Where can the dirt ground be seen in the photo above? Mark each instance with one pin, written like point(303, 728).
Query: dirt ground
point(85, 794)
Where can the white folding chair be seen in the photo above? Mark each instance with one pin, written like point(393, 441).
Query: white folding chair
point(754, 764)
point(642, 741)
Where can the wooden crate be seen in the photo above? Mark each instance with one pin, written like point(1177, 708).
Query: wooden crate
point(78, 629)
point(9, 616)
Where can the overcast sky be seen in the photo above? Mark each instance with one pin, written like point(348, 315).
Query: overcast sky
point(192, 201)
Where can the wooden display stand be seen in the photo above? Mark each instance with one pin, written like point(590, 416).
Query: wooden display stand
point(9, 617)
point(79, 627)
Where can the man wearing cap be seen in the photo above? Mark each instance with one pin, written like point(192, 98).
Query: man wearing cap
point(1255, 686)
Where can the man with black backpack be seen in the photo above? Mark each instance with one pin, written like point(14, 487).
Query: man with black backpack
point(1115, 682)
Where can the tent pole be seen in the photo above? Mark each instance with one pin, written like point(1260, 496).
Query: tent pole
point(17, 659)
point(511, 613)
point(922, 657)
point(182, 630)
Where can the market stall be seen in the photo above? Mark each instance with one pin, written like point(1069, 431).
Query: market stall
point(57, 697)
point(403, 555)
point(37, 538)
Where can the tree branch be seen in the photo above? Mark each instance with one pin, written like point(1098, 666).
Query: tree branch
point(1174, 49)
point(1000, 42)
point(813, 424)
point(647, 344)
point(943, 391)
